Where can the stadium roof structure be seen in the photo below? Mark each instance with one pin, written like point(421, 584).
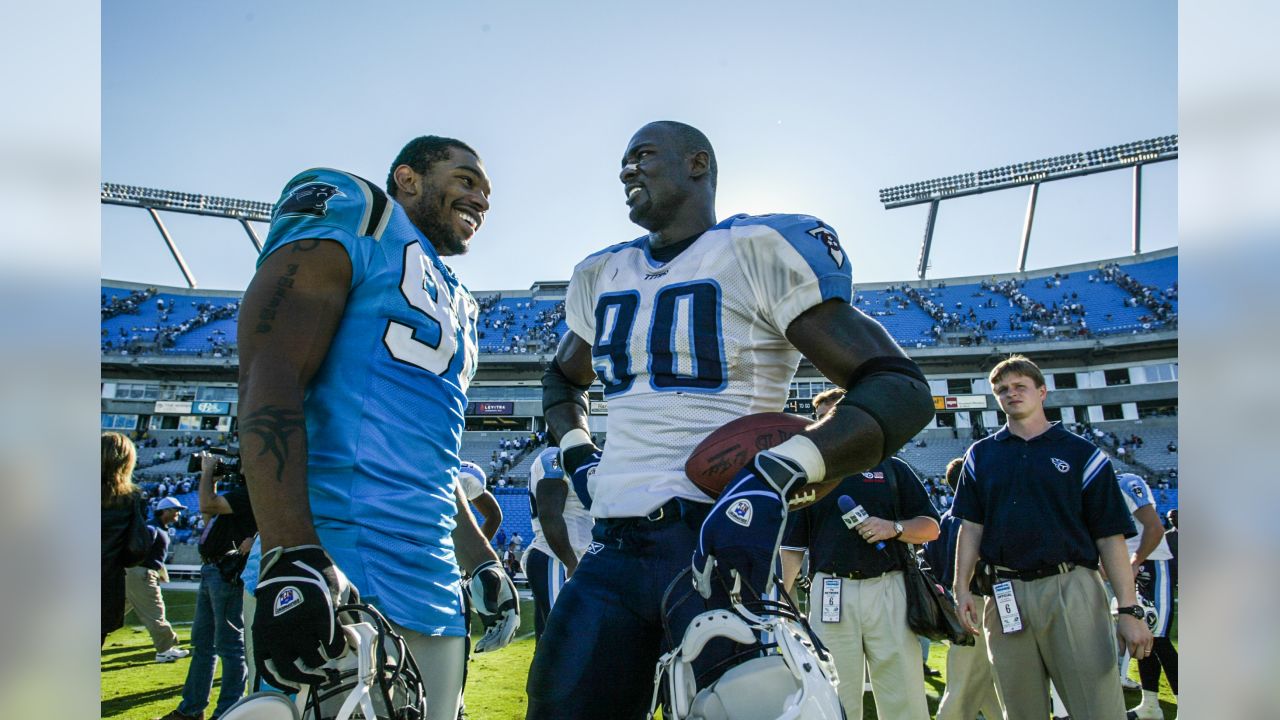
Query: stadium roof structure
point(153, 199)
point(1116, 157)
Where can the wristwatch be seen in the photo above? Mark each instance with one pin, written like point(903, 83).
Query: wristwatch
point(897, 530)
point(1134, 610)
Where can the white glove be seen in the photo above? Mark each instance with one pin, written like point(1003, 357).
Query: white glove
point(494, 597)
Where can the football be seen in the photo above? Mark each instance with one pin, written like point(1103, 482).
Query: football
point(724, 452)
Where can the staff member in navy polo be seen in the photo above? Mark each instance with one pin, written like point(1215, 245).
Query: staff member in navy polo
point(970, 685)
point(1040, 508)
point(858, 600)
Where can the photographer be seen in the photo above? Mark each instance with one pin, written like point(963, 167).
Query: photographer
point(218, 629)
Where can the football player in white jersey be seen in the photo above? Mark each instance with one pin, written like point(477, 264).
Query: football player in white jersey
point(561, 533)
point(1150, 555)
point(697, 323)
point(471, 479)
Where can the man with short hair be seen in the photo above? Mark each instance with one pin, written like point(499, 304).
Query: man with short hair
point(694, 324)
point(357, 345)
point(1041, 509)
point(142, 584)
point(857, 575)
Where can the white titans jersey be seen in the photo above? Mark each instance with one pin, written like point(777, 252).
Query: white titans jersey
point(1137, 494)
point(577, 519)
point(471, 479)
point(684, 347)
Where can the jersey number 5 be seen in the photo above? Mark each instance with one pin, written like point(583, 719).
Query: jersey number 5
point(685, 347)
point(431, 348)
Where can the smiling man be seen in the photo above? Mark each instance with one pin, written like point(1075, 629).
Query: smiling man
point(357, 344)
point(692, 325)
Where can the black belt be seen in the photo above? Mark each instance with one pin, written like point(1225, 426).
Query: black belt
point(673, 510)
point(1004, 573)
point(856, 574)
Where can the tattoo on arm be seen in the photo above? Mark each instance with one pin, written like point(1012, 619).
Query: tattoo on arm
point(274, 426)
point(283, 283)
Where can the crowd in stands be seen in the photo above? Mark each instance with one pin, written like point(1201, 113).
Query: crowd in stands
point(157, 333)
point(1125, 450)
point(1114, 298)
point(519, 327)
point(507, 456)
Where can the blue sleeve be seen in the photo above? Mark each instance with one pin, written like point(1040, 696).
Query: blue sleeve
point(330, 205)
point(1137, 490)
point(550, 459)
point(820, 247)
point(968, 503)
point(1105, 512)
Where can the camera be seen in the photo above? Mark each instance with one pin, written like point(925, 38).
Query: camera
point(228, 463)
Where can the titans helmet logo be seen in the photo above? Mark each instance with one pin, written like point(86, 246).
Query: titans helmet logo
point(828, 238)
point(308, 199)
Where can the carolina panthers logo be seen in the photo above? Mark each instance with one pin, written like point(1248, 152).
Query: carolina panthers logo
point(828, 238)
point(1062, 465)
point(740, 512)
point(288, 598)
point(1137, 490)
point(308, 199)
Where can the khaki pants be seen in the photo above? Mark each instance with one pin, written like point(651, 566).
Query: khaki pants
point(142, 591)
point(441, 663)
point(873, 630)
point(1066, 635)
point(970, 685)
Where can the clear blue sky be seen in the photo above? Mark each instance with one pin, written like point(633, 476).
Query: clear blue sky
point(812, 107)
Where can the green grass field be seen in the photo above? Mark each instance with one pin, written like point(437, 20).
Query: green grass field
point(134, 687)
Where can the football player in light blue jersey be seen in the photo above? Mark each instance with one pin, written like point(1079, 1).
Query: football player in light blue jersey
point(357, 344)
point(691, 326)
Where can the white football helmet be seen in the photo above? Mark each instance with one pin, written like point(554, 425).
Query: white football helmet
point(788, 674)
point(376, 679)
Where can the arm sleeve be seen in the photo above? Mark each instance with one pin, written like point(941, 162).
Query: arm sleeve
point(1105, 512)
point(968, 503)
point(796, 536)
point(322, 204)
point(914, 498)
point(1137, 490)
point(792, 262)
point(472, 486)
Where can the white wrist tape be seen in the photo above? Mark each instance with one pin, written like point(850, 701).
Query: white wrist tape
point(574, 438)
point(802, 450)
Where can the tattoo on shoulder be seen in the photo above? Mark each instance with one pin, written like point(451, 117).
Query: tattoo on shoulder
point(274, 426)
point(284, 283)
point(305, 245)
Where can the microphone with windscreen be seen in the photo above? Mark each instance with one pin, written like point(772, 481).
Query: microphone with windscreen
point(854, 515)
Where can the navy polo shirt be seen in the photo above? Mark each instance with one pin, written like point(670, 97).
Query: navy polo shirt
point(834, 548)
point(1042, 501)
point(159, 549)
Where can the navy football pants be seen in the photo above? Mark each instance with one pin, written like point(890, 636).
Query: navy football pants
point(602, 641)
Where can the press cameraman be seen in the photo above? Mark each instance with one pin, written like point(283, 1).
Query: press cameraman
point(218, 629)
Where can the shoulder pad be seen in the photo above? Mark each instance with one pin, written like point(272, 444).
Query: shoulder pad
point(322, 197)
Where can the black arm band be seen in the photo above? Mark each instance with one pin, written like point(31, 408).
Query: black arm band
point(558, 389)
point(885, 363)
point(896, 398)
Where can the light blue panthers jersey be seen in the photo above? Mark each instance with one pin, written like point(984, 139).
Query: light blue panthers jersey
point(385, 409)
point(683, 347)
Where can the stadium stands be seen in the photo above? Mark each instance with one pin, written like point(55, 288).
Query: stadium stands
point(1107, 300)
